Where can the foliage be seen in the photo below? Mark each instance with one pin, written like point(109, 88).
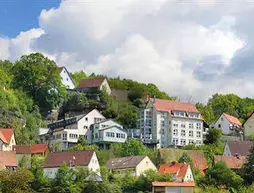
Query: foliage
point(247, 171)
point(127, 116)
point(74, 101)
point(23, 162)
point(185, 159)
point(133, 147)
point(82, 145)
point(39, 78)
point(15, 182)
point(78, 76)
point(101, 187)
point(213, 136)
point(221, 176)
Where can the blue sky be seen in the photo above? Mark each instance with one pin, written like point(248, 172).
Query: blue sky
point(21, 15)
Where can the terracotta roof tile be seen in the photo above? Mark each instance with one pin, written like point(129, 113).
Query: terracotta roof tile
point(232, 162)
point(174, 168)
point(30, 149)
point(167, 105)
point(7, 133)
point(22, 149)
point(79, 158)
point(8, 158)
point(39, 148)
point(2, 138)
point(124, 162)
point(242, 148)
point(91, 83)
point(232, 119)
point(174, 184)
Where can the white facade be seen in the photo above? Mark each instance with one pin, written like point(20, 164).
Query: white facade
point(67, 135)
point(93, 166)
point(223, 124)
point(227, 151)
point(164, 129)
point(66, 79)
point(8, 147)
point(105, 85)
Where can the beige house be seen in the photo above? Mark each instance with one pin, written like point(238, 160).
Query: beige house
point(248, 126)
point(173, 187)
point(7, 139)
point(137, 165)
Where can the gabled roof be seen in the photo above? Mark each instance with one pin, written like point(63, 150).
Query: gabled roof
point(6, 134)
point(124, 162)
point(8, 158)
point(167, 105)
point(249, 115)
point(78, 158)
point(173, 184)
point(63, 67)
point(30, 149)
point(91, 83)
point(197, 156)
point(241, 148)
point(233, 120)
point(232, 162)
point(180, 169)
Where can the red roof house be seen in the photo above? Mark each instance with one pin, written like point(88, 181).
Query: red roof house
point(94, 83)
point(8, 160)
point(180, 171)
point(232, 162)
point(7, 139)
point(40, 149)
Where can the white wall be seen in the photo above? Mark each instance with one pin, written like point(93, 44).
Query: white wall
point(189, 176)
point(8, 147)
point(94, 164)
point(66, 79)
point(224, 124)
point(144, 165)
point(105, 85)
point(226, 150)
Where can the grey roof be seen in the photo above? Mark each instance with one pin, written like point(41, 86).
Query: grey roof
point(124, 162)
point(43, 131)
point(94, 177)
point(242, 148)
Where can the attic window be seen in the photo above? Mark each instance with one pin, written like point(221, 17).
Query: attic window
point(221, 118)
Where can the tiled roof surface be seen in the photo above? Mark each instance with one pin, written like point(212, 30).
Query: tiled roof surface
point(232, 119)
point(242, 148)
point(30, 149)
point(172, 154)
point(174, 184)
point(232, 162)
point(22, 149)
point(8, 158)
point(91, 83)
point(124, 162)
point(78, 158)
point(39, 148)
point(7, 133)
point(167, 105)
point(174, 168)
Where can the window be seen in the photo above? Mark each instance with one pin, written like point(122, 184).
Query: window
point(86, 119)
point(175, 141)
point(198, 125)
point(162, 123)
point(183, 133)
point(162, 131)
point(175, 125)
point(67, 79)
point(107, 134)
point(118, 135)
point(219, 125)
point(221, 118)
point(182, 114)
point(190, 133)
point(85, 127)
point(191, 142)
point(175, 132)
point(64, 136)
point(183, 125)
point(122, 135)
point(183, 141)
point(112, 134)
point(198, 134)
point(198, 142)
point(96, 135)
point(191, 125)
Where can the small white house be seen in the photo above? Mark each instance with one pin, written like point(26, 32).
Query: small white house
point(67, 80)
point(228, 124)
point(66, 132)
point(107, 132)
point(86, 159)
point(7, 139)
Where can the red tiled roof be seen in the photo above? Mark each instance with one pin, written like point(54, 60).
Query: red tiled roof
point(174, 184)
point(232, 162)
point(174, 168)
point(22, 149)
point(167, 105)
point(232, 119)
point(79, 158)
point(242, 148)
point(8, 158)
point(39, 148)
point(90, 83)
point(2, 138)
point(7, 133)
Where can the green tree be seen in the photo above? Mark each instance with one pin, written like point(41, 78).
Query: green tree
point(78, 76)
point(39, 77)
point(213, 136)
point(23, 162)
point(127, 116)
point(101, 187)
point(247, 171)
point(221, 176)
point(133, 147)
point(185, 159)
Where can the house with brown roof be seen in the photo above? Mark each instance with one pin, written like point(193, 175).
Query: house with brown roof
point(137, 165)
point(181, 172)
point(173, 187)
point(67, 80)
point(8, 160)
point(232, 162)
point(229, 124)
point(165, 123)
point(27, 151)
point(7, 139)
point(197, 156)
point(238, 148)
point(87, 159)
point(93, 85)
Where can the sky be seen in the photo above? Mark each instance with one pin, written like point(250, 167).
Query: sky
point(189, 48)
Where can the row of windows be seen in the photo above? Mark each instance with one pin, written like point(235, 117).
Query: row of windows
point(176, 141)
point(73, 136)
point(183, 133)
point(183, 114)
point(118, 135)
point(191, 125)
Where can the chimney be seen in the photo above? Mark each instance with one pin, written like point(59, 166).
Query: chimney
point(237, 156)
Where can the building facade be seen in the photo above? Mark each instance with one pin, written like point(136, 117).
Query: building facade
point(7, 139)
point(66, 132)
point(167, 123)
point(248, 126)
point(106, 132)
point(66, 78)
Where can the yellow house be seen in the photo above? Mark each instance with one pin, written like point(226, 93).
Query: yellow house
point(137, 165)
point(7, 139)
point(248, 125)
